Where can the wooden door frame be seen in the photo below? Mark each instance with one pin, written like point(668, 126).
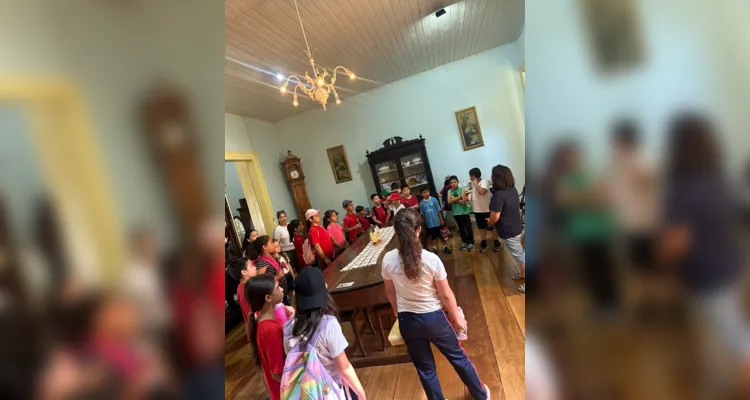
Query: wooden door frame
point(74, 172)
point(254, 187)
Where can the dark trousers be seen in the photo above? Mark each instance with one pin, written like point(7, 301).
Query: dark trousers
point(418, 331)
point(465, 229)
point(601, 276)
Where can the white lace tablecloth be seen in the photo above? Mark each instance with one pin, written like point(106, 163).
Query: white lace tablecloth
point(371, 252)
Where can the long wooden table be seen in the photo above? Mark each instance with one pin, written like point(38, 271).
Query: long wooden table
point(367, 291)
point(367, 288)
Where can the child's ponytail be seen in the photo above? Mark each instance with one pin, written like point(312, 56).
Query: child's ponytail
point(407, 223)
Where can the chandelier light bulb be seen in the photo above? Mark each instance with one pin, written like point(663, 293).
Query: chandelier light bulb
point(320, 81)
point(338, 101)
point(280, 77)
point(296, 103)
point(283, 89)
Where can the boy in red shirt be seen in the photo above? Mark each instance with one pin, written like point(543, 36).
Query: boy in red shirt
point(295, 229)
point(352, 226)
point(242, 269)
point(363, 219)
point(407, 199)
point(320, 240)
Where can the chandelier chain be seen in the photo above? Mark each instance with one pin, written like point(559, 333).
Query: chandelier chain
point(309, 54)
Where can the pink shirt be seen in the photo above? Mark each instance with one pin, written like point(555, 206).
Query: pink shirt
point(337, 233)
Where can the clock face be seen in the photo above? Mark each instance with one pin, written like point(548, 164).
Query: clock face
point(294, 174)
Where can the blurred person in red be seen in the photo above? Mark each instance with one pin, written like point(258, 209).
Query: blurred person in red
point(701, 241)
point(101, 354)
point(197, 295)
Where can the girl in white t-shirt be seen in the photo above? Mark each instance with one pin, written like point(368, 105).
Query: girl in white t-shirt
point(480, 203)
point(417, 288)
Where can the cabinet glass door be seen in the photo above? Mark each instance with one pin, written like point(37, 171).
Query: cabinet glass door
point(414, 172)
point(388, 177)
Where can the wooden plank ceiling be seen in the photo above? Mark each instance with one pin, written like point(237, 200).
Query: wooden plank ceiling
point(382, 41)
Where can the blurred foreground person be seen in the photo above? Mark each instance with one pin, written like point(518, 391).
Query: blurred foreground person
point(584, 206)
point(700, 240)
point(143, 283)
point(541, 380)
point(198, 308)
point(103, 356)
point(636, 200)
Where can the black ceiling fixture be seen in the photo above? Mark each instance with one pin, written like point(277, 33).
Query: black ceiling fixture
point(440, 12)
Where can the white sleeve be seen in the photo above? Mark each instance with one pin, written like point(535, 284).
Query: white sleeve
point(439, 268)
point(333, 338)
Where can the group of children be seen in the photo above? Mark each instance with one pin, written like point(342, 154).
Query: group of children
point(418, 299)
point(274, 330)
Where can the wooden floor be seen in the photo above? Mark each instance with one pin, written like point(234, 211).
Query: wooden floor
point(495, 312)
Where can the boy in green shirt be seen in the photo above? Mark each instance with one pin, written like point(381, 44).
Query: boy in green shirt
point(461, 207)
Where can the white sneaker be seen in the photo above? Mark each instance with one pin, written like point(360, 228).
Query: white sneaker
point(488, 391)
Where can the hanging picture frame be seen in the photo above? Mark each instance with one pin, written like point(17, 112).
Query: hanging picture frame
point(469, 129)
point(339, 164)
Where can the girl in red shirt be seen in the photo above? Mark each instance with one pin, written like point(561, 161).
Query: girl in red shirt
point(266, 334)
point(320, 240)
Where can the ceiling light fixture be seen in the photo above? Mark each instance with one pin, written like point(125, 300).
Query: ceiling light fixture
point(321, 86)
point(279, 76)
point(440, 12)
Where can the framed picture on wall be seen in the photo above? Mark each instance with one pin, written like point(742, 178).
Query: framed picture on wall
point(339, 164)
point(615, 34)
point(468, 128)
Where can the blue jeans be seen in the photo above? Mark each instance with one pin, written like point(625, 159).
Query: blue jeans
point(418, 331)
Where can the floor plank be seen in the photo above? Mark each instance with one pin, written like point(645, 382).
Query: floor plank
point(518, 306)
point(408, 386)
point(380, 384)
point(478, 346)
point(507, 338)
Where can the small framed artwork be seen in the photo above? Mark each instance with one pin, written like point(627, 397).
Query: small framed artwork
point(615, 34)
point(468, 127)
point(339, 164)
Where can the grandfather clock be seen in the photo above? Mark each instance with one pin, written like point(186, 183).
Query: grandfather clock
point(296, 178)
point(170, 131)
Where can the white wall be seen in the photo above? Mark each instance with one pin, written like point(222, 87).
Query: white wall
point(424, 104)
point(567, 96)
point(113, 51)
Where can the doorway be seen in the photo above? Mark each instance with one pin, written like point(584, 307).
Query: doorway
point(246, 192)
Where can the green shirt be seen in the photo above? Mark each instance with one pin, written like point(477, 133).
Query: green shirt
point(458, 208)
point(584, 224)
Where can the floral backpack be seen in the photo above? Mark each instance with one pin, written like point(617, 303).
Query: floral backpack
point(304, 375)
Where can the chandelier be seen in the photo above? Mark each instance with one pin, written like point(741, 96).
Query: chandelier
point(319, 88)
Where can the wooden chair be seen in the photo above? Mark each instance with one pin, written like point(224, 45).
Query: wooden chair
point(351, 317)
